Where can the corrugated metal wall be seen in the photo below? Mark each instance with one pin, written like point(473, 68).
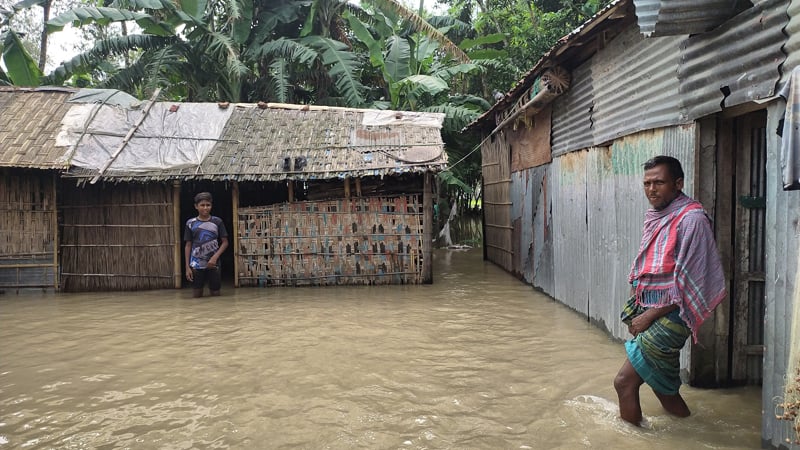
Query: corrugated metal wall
point(572, 114)
point(644, 95)
point(581, 254)
point(783, 244)
point(532, 212)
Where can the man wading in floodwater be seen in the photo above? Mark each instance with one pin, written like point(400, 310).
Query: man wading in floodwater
point(676, 282)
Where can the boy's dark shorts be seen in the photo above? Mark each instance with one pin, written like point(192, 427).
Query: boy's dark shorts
point(200, 276)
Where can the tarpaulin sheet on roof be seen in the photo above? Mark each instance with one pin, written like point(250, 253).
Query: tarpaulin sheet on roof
point(171, 136)
point(105, 96)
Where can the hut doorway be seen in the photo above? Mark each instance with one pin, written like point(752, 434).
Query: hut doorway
point(741, 217)
point(222, 208)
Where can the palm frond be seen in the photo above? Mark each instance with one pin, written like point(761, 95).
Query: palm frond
point(422, 26)
point(343, 66)
point(283, 48)
point(115, 46)
point(456, 117)
point(279, 80)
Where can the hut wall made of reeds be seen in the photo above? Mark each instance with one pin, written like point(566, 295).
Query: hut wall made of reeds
point(365, 240)
point(28, 236)
point(497, 201)
point(117, 237)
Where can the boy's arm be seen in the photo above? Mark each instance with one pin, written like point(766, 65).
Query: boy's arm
point(212, 262)
point(187, 251)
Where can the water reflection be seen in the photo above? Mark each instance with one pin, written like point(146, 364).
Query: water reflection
point(476, 361)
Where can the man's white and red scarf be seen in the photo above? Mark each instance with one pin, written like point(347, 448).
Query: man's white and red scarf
point(679, 264)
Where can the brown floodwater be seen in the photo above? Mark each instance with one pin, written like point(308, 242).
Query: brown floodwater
point(478, 360)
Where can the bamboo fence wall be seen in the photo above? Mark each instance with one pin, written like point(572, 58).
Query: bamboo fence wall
point(27, 229)
point(118, 237)
point(495, 154)
point(366, 240)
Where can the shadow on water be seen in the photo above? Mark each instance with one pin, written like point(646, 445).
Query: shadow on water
point(477, 360)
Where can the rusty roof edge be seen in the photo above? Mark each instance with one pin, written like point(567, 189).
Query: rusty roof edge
point(530, 77)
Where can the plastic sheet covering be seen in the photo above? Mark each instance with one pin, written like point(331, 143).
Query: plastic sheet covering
point(379, 118)
point(790, 143)
point(105, 96)
point(172, 135)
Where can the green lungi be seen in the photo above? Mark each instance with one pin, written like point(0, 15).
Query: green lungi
point(655, 353)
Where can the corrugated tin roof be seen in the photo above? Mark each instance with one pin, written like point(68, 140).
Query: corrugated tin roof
point(681, 17)
point(792, 45)
point(29, 122)
point(737, 63)
point(264, 142)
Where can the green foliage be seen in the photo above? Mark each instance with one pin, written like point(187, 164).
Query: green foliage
point(21, 68)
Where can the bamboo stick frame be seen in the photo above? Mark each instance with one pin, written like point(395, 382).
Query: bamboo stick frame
point(427, 229)
point(56, 246)
point(234, 234)
point(176, 221)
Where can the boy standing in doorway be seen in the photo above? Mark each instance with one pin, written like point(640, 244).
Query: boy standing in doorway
point(206, 238)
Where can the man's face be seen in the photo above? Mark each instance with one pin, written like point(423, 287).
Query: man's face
point(659, 187)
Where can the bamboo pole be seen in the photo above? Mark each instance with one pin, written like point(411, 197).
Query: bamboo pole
point(290, 187)
point(56, 280)
point(358, 187)
point(427, 230)
point(346, 187)
point(235, 232)
point(176, 220)
point(127, 136)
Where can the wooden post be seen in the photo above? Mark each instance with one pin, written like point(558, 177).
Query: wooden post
point(234, 234)
point(346, 187)
point(177, 269)
point(427, 230)
point(290, 186)
point(56, 280)
point(358, 187)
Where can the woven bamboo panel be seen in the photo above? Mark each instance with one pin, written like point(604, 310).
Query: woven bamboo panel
point(117, 237)
point(27, 241)
point(530, 145)
point(497, 201)
point(29, 123)
point(375, 240)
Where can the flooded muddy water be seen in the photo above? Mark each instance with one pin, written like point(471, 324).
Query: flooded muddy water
point(478, 360)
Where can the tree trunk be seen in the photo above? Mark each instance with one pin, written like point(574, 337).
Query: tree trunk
point(43, 45)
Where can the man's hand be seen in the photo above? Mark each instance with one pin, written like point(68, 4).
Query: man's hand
point(641, 322)
point(189, 273)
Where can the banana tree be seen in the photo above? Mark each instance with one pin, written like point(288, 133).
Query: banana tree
point(20, 67)
point(193, 43)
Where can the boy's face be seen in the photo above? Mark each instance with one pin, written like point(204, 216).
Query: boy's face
point(203, 208)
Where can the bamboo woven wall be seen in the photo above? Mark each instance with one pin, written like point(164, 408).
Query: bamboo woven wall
point(117, 237)
point(497, 201)
point(374, 240)
point(27, 229)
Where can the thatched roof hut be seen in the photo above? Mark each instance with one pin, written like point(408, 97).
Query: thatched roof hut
point(299, 172)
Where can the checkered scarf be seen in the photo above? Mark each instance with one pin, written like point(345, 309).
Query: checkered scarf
point(678, 262)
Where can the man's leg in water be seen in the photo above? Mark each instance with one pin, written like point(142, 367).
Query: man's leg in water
point(627, 383)
point(674, 404)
